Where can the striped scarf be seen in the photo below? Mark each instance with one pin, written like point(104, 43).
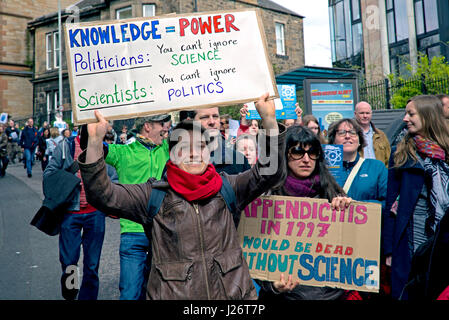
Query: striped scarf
point(437, 174)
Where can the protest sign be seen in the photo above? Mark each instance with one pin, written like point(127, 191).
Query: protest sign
point(285, 104)
point(318, 246)
point(3, 117)
point(333, 155)
point(143, 66)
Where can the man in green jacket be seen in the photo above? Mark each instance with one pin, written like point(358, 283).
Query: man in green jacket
point(135, 163)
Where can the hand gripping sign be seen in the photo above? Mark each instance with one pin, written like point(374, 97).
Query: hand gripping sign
point(136, 67)
point(318, 246)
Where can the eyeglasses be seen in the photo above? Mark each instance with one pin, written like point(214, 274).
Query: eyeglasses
point(298, 153)
point(223, 123)
point(342, 133)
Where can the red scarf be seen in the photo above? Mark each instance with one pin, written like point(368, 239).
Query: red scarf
point(194, 187)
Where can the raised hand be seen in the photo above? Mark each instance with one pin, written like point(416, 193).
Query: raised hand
point(96, 131)
point(267, 112)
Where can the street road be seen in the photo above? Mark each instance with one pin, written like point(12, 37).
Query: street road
point(29, 259)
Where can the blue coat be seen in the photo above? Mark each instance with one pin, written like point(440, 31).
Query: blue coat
point(29, 138)
point(370, 183)
point(406, 182)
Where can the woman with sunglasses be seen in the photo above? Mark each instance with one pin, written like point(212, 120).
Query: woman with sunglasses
point(307, 176)
point(418, 193)
point(363, 179)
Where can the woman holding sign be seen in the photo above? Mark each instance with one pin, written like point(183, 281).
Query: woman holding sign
point(418, 187)
point(307, 176)
point(364, 179)
point(196, 252)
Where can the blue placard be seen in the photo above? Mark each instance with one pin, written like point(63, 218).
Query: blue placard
point(333, 154)
point(285, 105)
point(3, 117)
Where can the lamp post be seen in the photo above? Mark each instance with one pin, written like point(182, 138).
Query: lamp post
point(60, 60)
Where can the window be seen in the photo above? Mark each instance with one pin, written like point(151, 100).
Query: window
point(49, 51)
point(346, 29)
point(357, 37)
point(280, 40)
point(52, 50)
point(49, 101)
point(56, 104)
point(419, 18)
point(397, 22)
point(340, 31)
point(124, 13)
point(149, 10)
point(400, 12)
point(431, 15)
point(355, 10)
point(391, 28)
point(56, 49)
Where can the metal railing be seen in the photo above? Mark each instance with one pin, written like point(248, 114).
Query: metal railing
point(387, 94)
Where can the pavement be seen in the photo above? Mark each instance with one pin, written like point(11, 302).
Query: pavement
point(29, 259)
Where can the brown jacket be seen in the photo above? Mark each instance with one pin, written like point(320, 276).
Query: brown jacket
point(195, 245)
point(381, 146)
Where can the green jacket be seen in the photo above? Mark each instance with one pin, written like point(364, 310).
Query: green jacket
point(135, 163)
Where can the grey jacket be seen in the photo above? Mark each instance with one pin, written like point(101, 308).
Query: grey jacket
point(62, 159)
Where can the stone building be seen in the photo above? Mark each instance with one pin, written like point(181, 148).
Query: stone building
point(283, 29)
point(16, 60)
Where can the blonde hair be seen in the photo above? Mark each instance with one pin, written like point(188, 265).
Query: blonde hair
point(434, 128)
point(54, 132)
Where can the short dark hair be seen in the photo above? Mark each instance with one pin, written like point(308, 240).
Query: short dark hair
point(186, 114)
point(109, 136)
point(188, 125)
point(332, 132)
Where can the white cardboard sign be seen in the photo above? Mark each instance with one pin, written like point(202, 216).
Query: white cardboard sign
point(136, 67)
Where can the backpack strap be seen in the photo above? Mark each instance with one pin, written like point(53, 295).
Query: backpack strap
point(155, 201)
point(158, 195)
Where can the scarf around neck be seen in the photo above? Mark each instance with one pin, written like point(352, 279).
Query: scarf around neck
point(194, 187)
point(429, 148)
point(437, 174)
point(302, 187)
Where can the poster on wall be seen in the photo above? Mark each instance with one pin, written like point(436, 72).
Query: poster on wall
point(318, 246)
point(142, 66)
point(285, 104)
point(330, 100)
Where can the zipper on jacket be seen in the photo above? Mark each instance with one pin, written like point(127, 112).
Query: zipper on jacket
point(195, 206)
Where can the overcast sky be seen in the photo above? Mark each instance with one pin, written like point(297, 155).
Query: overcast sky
point(316, 29)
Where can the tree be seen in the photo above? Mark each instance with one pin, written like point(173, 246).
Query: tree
point(430, 77)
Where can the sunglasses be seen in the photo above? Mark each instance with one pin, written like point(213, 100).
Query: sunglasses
point(297, 153)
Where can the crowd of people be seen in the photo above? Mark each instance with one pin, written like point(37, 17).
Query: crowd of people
point(198, 183)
